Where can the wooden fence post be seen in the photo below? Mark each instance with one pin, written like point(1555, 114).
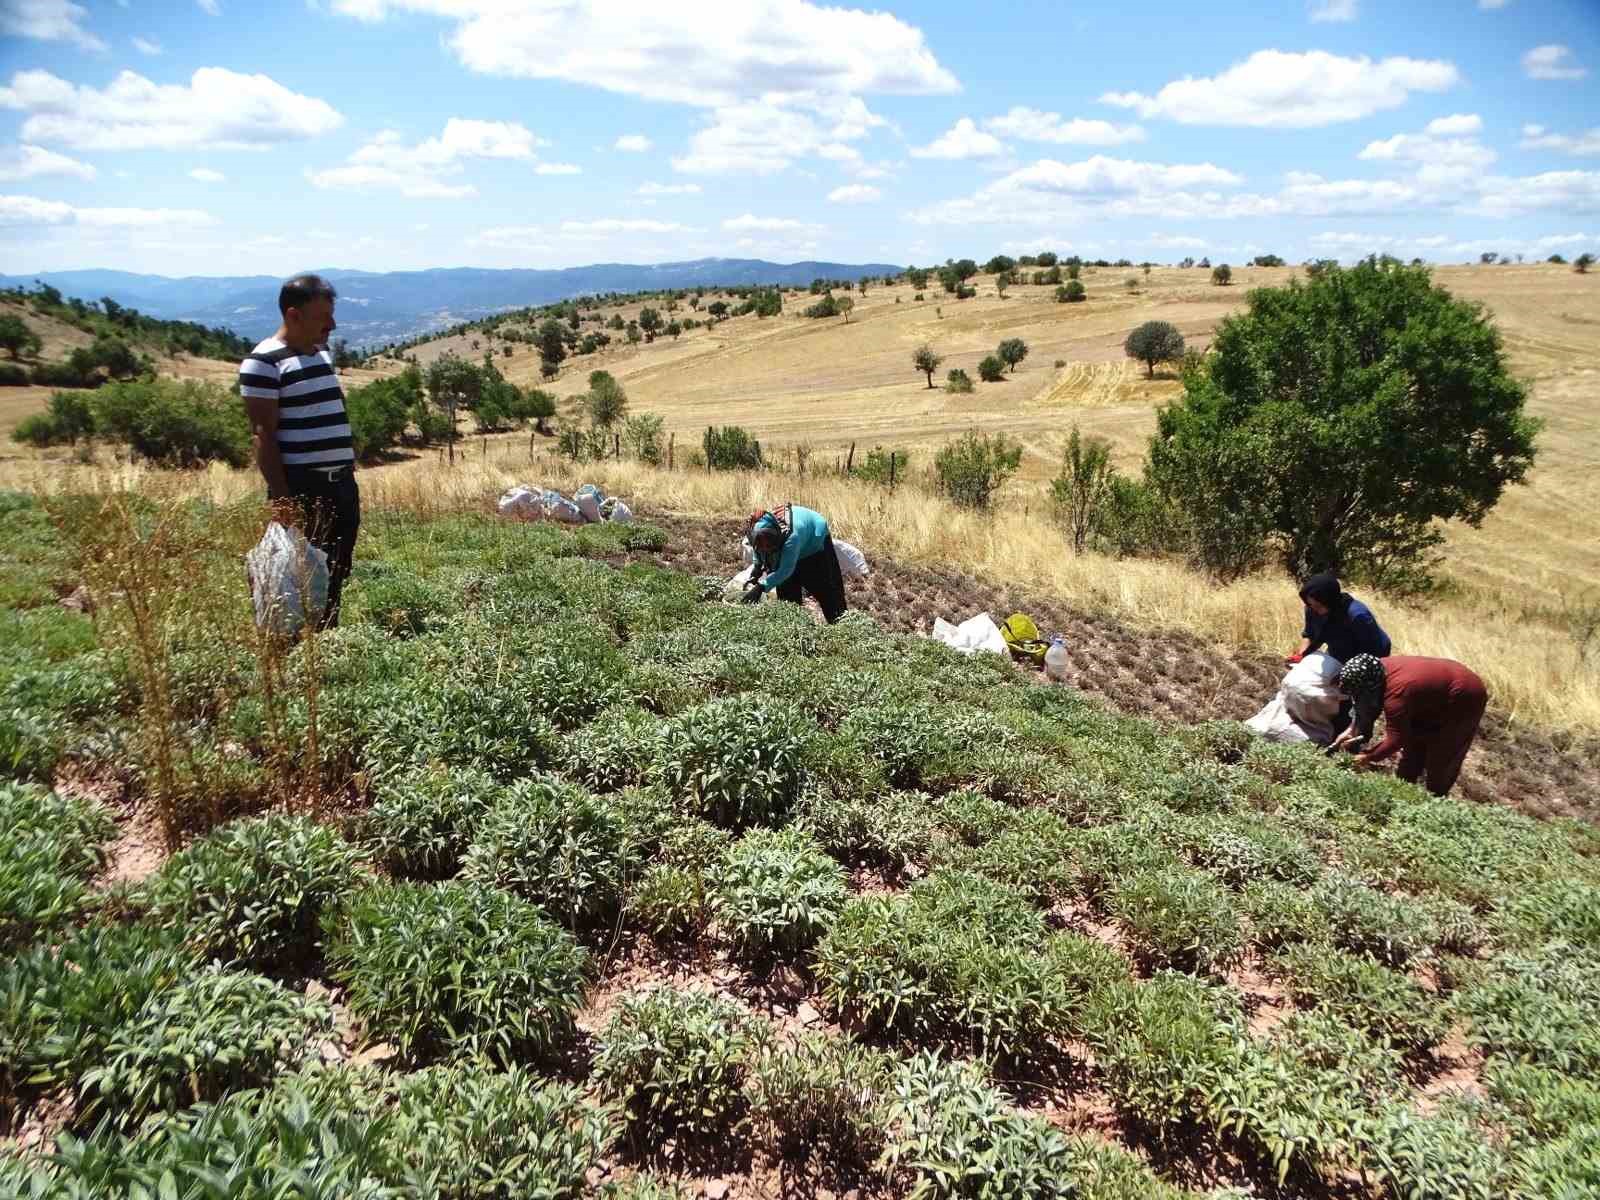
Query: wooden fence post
point(672, 439)
point(892, 455)
point(850, 463)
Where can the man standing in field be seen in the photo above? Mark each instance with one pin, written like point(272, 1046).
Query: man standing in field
point(300, 429)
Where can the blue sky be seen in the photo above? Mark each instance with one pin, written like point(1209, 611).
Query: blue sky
point(216, 137)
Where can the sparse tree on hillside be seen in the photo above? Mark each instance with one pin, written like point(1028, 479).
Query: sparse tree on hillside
point(1154, 342)
point(1583, 262)
point(1204, 264)
point(844, 303)
point(632, 333)
point(926, 361)
point(1082, 485)
point(1488, 258)
point(650, 322)
point(17, 338)
point(991, 369)
point(454, 383)
point(718, 309)
point(1556, 258)
point(1012, 351)
point(552, 341)
point(673, 330)
point(1222, 276)
point(999, 265)
point(1002, 281)
point(606, 403)
point(917, 277)
point(1046, 258)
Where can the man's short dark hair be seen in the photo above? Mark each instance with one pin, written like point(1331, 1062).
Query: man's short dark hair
point(303, 288)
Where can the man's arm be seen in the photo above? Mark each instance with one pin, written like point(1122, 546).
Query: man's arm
point(263, 414)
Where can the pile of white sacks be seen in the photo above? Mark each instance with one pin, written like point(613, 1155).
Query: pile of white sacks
point(588, 504)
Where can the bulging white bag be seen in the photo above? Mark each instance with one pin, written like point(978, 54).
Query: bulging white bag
point(1307, 701)
point(615, 510)
point(975, 634)
point(288, 580)
point(852, 563)
point(521, 503)
point(589, 498)
point(558, 508)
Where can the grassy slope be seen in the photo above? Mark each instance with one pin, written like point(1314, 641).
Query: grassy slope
point(1430, 957)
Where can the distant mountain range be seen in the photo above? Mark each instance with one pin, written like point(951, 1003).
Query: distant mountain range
point(377, 307)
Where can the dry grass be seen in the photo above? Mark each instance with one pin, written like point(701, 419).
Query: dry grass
point(1523, 583)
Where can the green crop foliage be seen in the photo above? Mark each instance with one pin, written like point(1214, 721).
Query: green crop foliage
point(253, 891)
point(1364, 993)
point(890, 830)
point(1568, 909)
point(776, 892)
point(457, 966)
point(49, 846)
point(615, 750)
point(1179, 918)
point(1541, 1008)
point(211, 1033)
point(422, 821)
point(677, 1062)
point(1440, 1157)
point(1364, 920)
point(556, 845)
point(736, 762)
point(1545, 1103)
point(1281, 915)
point(823, 1097)
point(670, 901)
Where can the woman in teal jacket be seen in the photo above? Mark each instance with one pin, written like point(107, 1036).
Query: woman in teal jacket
point(794, 552)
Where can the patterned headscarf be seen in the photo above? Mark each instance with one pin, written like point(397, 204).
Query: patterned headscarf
point(1363, 677)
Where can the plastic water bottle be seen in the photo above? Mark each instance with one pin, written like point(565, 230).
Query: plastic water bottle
point(1055, 659)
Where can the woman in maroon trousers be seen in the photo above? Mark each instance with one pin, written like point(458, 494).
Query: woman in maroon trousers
point(1431, 710)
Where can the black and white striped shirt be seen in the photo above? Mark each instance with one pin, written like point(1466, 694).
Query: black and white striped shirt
point(313, 427)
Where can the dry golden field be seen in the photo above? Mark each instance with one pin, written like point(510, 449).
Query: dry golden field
point(1524, 586)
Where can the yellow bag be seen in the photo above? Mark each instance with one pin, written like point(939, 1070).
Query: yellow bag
point(1022, 637)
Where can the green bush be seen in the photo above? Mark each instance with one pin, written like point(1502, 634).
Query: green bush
point(971, 470)
point(678, 1062)
point(991, 369)
point(1281, 914)
point(1180, 919)
point(823, 1097)
point(1568, 909)
point(183, 424)
point(958, 382)
point(65, 375)
point(1541, 1008)
point(456, 966)
point(556, 845)
point(670, 901)
point(615, 750)
point(730, 448)
point(1363, 993)
point(253, 891)
point(737, 761)
point(776, 892)
point(422, 821)
point(14, 375)
point(380, 411)
point(405, 605)
point(891, 830)
point(67, 418)
point(1364, 920)
point(49, 846)
point(1542, 1102)
point(1446, 1156)
point(210, 1033)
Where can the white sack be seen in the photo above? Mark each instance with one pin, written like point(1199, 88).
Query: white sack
point(521, 503)
point(972, 635)
point(288, 580)
point(589, 498)
point(563, 510)
point(852, 563)
point(616, 510)
point(1307, 701)
point(1275, 724)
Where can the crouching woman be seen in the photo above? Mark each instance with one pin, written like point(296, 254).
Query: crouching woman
point(1431, 711)
point(794, 551)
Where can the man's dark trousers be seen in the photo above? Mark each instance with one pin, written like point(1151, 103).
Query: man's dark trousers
point(330, 509)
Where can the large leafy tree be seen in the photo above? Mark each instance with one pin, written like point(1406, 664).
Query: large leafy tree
point(1154, 342)
point(1343, 418)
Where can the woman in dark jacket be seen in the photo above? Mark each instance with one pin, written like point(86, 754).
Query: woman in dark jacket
point(1338, 621)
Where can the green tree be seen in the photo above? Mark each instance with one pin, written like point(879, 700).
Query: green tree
point(1080, 489)
point(536, 405)
point(844, 304)
point(972, 469)
point(641, 434)
point(718, 309)
point(999, 264)
point(991, 369)
point(552, 341)
point(1583, 262)
point(17, 338)
point(1011, 352)
point(1343, 417)
point(926, 361)
point(649, 321)
point(1222, 276)
point(606, 403)
point(1001, 282)
point(917, 277)
point(1046, 258)
point(1154, 342)
point(674, 330)
point(1072, 292)
point(453, 384)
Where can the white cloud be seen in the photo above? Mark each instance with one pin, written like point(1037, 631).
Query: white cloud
point(1537, 137)
point(147, 46)
point(961, 140)
point(1312, 196)
point(27, 162)
point(757, 138)
point(210, 6)
point(750, 223)
point(1274, 89)
point(612, 225)
point(30, 210)
point(218, 110)
point(421, 171)
point(854, 193)
point(47, 21)
point(633, 143)
point(1490, 4)
point(1333, 10)
point(1569, 191)
point(1100, 175)
point(207, 175)
point(1031, 125)
point(1454, 125)
point(558, 169)
point(513, 237)
point(1175, 241)
point(668, 189)
point(709, 55)
point(1552, 62)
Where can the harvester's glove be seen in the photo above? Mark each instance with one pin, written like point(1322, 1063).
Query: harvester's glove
point(752, 594)
point(1292, 659)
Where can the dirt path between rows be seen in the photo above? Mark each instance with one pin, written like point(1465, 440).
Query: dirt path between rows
point(1168, 675)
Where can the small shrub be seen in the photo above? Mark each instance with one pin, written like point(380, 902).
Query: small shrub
point(422, 821)
point(1441, 1157)
point(209, 1034)
point(1180, 919)
point(671, 901)
point(776, 892)
point(825, 1098)
point(971, 470)
point(677, 1062)
point(1568, 909)
point(556, 845)
point(1281, 914)
point(615, 750)
point(1539, 1008)
point(49, 846)
point(252, 892)
point(730, 448)
point(991, 368)
point(1543, 1102)
point(958, 382)
point(457, 967)
point(14, 375)
point(1368, 996)
point(737, 762)
point(1222, 275)
point(889, 830)
point(183, 424)
point(1364, 920)
point(905, 738)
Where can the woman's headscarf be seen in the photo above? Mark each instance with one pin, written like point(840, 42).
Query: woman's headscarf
point(1324, 589)
point(1363, 679)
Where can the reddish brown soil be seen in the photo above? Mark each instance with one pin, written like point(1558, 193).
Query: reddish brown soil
point(1170, 675)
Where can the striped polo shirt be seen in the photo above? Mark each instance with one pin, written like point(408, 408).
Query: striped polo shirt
point(313, 427)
